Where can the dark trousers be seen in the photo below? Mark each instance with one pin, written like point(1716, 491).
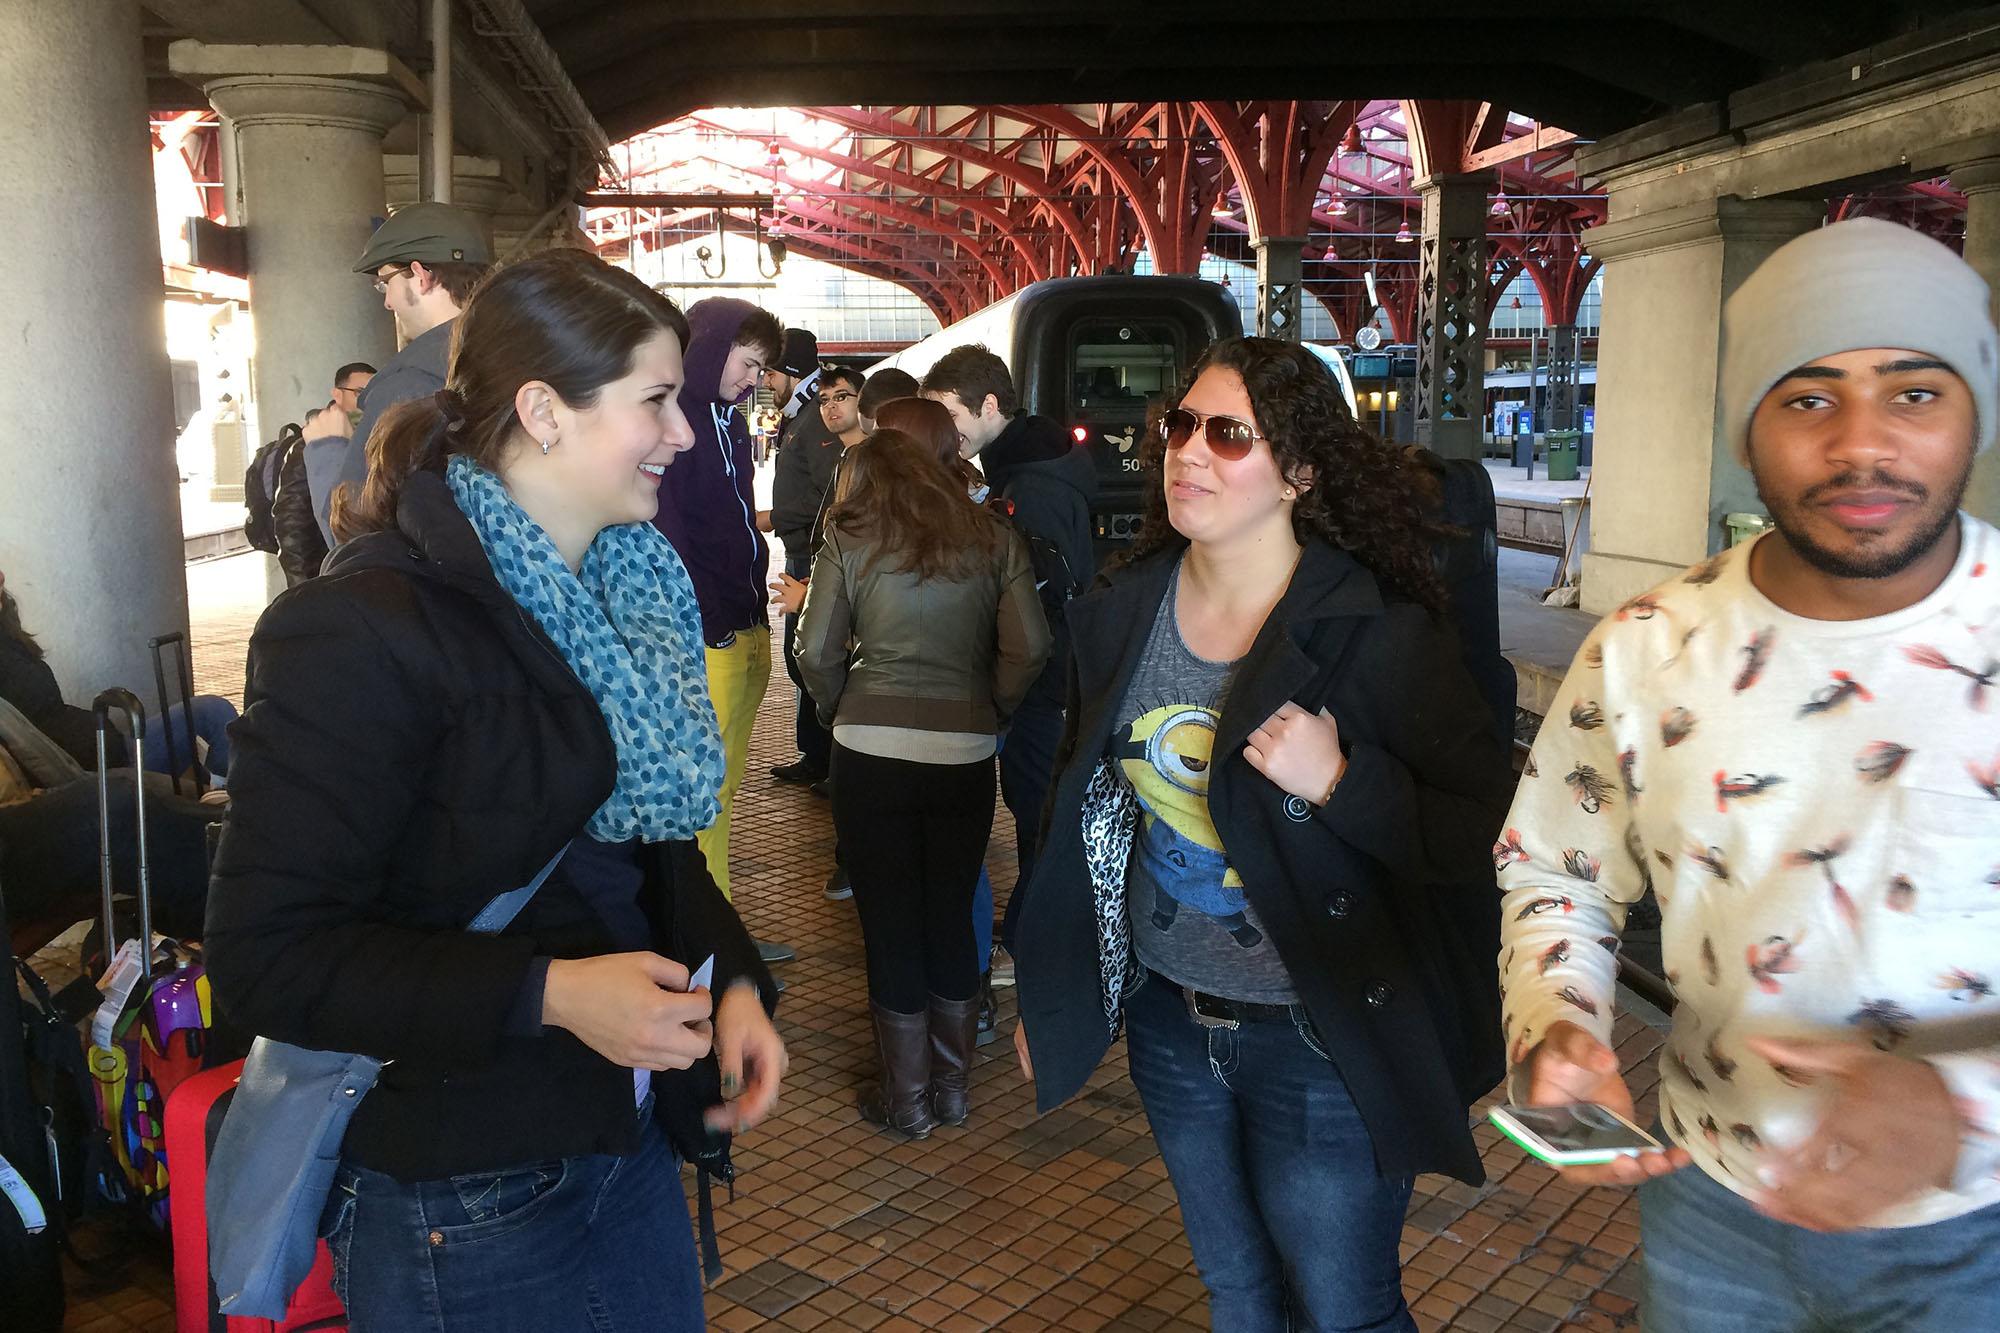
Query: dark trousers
point(912, 837)
point(815, 741)
point(49, 855)
point(1027, 763)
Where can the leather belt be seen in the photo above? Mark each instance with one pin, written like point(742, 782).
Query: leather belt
point(1217, 1011)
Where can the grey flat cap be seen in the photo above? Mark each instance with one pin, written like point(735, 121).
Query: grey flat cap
point(427, 234)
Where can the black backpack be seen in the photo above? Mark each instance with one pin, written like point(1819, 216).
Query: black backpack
point(1054, 580)
point(1468, 560)
point(45, 1119)
point(260, 486)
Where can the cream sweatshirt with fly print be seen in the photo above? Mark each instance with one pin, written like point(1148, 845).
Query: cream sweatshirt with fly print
point(1816, 806)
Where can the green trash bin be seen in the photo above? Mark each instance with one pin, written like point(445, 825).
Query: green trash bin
point(1565, 453)
point(1744, 527)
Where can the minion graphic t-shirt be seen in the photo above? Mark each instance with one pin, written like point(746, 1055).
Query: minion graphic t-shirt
point(1190, 919)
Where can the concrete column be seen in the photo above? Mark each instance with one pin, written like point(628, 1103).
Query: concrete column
point(309, 125)
point(1980, 182)
point(1663, 476)
point(1280, 281)
point(90, 524)
point(1451, 323)
point(476, 184)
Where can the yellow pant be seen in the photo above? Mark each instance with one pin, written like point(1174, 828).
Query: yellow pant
point(737, 678)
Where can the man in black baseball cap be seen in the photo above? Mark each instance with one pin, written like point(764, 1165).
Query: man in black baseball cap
point(425, 261)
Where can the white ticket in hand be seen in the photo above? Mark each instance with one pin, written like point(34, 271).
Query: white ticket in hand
point(702, 975)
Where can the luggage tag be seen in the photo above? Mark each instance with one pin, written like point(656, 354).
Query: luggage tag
point(119, 981)
point(22, 1196)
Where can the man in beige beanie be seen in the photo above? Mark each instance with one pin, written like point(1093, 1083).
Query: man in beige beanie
point(1794, 745)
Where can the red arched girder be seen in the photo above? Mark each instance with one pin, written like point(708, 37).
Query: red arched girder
point(968, 244)
point(955, 299)
point(942, 288)
point(963, 134)
point(1279, 152)
point(997, 197)
point(1164, 162)
point(1003, 226)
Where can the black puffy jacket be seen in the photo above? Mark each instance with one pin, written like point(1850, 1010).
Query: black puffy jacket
point(301, 548)
point(412, 744)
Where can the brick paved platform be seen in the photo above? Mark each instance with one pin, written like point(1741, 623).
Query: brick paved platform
point(1066, 1222)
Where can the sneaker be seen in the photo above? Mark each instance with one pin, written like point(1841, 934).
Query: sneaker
point(1002, 969)
point(799, 774)
point(838, 890)
point(821, 789)
point(775, 953)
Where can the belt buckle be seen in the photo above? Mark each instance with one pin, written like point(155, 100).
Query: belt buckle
point(1207, 1020)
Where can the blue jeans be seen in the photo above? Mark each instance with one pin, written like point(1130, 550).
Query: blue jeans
point(1027, 766)
point(982, 921)
point(211, 716)
point(577, 1245)
point(1714, 1264)
point(1290, 1224)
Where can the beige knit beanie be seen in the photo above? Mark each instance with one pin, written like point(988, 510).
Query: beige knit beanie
point(1854, 285)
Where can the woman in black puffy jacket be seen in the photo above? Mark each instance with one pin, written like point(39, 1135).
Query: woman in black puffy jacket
point(502, 665)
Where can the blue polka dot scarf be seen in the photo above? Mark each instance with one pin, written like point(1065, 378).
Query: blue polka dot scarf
point(630, 628)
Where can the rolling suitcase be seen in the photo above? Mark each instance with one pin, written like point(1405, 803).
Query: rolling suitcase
point(194, 1115)
point(151, 1029)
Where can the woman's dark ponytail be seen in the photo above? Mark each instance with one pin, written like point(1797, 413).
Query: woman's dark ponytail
point(410, 437)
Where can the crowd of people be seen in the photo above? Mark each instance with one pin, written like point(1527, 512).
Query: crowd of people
point(1258, 799)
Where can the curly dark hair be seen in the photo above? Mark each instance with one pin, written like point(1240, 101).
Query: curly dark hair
point(1366, 498)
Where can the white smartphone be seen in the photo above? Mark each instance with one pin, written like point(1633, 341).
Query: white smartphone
point(1579, 1134)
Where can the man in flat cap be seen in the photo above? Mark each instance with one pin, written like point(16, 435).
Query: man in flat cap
point(425, 261)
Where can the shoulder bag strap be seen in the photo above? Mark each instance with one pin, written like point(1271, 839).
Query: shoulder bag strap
point(494, 917)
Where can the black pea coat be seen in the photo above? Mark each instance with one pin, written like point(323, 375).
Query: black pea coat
point(412, 745)
point(1381, 902)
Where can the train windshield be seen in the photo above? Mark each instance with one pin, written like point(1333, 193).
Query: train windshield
point(1117, 365)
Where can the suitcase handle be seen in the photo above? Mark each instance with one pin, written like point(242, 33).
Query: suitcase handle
point(101, 708)
point(184, 681)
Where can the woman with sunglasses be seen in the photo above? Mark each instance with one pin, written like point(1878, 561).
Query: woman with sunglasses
point(921, 634)
point(1268, 849)
point(499, 681)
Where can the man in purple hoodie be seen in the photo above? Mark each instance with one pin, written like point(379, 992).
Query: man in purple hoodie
point(709, 512)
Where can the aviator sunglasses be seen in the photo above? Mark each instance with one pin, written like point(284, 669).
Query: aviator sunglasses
point(1227, 437)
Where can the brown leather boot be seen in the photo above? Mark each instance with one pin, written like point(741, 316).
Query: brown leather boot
point(954, 1024)
point(900, 1101)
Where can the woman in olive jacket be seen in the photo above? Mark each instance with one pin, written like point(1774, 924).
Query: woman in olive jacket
point(1267, 854)
point(920, 635)
point(502, 663)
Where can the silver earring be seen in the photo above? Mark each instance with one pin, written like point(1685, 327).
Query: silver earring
point(548, 444)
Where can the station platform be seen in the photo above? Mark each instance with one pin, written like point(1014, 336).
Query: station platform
point(1018, 1222)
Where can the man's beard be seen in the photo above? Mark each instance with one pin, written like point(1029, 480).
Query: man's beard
point(1879, 560)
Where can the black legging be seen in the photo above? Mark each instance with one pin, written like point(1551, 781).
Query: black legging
point(912, 838)
point(49, 857)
